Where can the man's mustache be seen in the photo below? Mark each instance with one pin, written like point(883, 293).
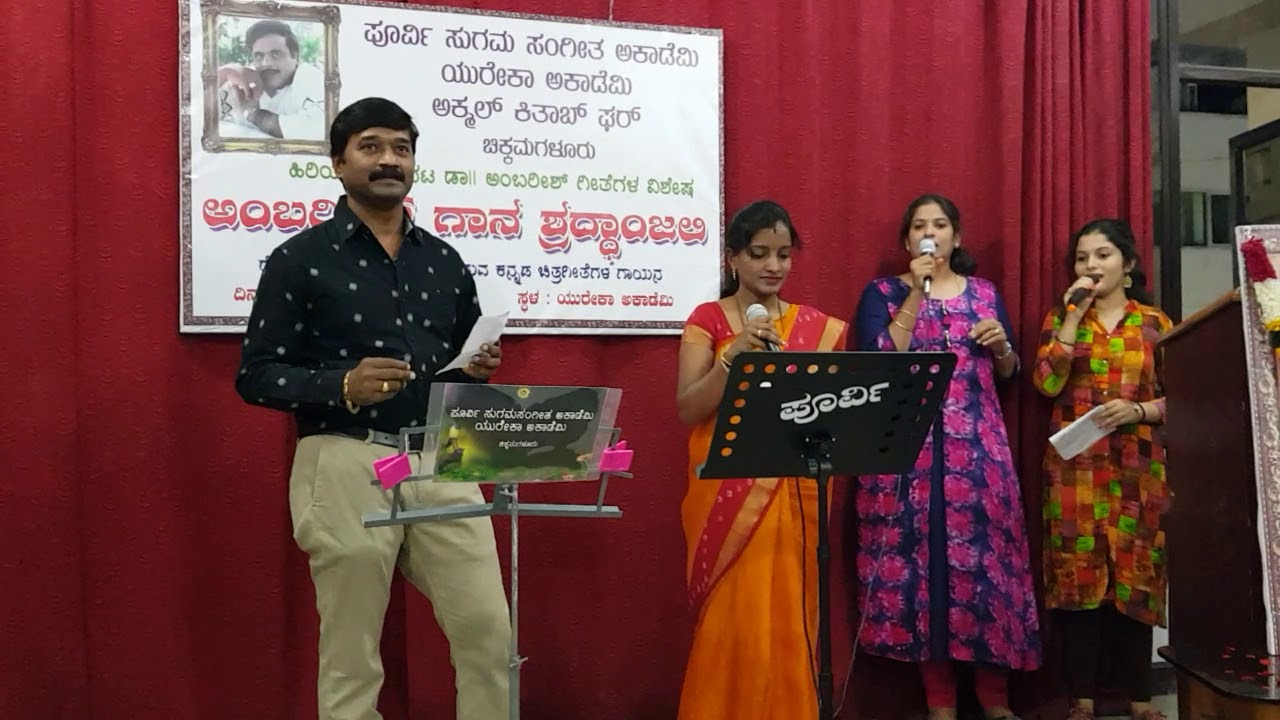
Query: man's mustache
point(386, 173)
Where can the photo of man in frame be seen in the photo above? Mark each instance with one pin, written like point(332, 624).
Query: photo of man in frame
point(271, 78)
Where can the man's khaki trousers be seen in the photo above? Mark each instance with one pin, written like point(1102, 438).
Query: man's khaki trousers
point(454, 563)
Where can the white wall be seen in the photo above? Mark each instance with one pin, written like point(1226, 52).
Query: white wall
point(1263, 50)
point(1193, 14)
point(1206, 275)
point(1203, 142)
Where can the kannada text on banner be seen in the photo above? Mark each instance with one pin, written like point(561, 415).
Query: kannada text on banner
point(575, 166)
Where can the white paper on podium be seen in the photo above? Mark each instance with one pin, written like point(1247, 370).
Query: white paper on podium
point(1079, 436)
point(488, 330)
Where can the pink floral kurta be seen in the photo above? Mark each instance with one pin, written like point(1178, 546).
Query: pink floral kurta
point(955, 578)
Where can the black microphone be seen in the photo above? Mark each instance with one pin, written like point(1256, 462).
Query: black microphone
point(1079, 294)
point(928, 247)
point(756, 310)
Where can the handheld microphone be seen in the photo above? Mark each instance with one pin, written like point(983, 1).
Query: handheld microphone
point(1080, 294)
point(756, 310)
point(928, 247)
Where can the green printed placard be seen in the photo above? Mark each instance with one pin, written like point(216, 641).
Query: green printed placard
point(520, 433)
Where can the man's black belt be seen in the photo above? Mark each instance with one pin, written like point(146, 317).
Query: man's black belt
point(375, 437)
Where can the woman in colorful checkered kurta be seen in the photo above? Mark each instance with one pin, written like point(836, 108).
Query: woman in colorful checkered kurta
point(1104, 542)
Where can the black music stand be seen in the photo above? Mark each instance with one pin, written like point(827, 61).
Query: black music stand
point(815, 414)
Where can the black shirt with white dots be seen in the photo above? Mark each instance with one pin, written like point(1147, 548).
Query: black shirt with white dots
point(331, 296)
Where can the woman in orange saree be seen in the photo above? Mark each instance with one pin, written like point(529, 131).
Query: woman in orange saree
point(752, 577)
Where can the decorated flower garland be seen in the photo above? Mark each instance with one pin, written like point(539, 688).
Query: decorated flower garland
point(1266, 287)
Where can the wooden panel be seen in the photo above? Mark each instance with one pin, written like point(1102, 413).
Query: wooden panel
point(1215, 571)
point(1197, 701)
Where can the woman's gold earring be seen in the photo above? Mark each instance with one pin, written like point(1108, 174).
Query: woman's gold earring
point(1128, 281)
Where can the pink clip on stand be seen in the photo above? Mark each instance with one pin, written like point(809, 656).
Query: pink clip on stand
point(616, 458)
point(390, 471)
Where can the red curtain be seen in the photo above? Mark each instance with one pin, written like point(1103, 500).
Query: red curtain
point(147, 570)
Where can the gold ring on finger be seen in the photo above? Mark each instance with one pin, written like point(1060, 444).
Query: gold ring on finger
point(386, 386)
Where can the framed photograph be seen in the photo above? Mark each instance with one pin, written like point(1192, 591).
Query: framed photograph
point(1262, 360)
point(270, 76)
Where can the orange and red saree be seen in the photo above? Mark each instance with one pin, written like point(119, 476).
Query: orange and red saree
point(750, 566)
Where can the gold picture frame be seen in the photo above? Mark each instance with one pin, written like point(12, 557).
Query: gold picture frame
point(210, 12)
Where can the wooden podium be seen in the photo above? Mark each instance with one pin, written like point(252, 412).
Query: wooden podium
point(1212, 523)
point(1218, 624)
point(1223, 438)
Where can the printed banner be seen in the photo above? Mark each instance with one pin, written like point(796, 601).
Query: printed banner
point(576, 166)
point(520, 433)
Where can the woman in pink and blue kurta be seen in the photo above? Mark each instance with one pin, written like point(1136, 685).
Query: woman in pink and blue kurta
point(944, 569)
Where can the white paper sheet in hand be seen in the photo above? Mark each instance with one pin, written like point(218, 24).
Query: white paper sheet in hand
point(1079, 436)
point(488, 330)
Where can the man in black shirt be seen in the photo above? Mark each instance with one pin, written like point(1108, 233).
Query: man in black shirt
point(352, 320)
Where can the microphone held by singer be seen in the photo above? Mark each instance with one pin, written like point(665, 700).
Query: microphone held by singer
point(1081, 293)
point(928, 247)
point(756, 311)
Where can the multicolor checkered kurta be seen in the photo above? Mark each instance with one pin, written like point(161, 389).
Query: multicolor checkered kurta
point(1103, 508)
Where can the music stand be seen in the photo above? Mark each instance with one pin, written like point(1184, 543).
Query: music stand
point(815, 414)
point(506, 502)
